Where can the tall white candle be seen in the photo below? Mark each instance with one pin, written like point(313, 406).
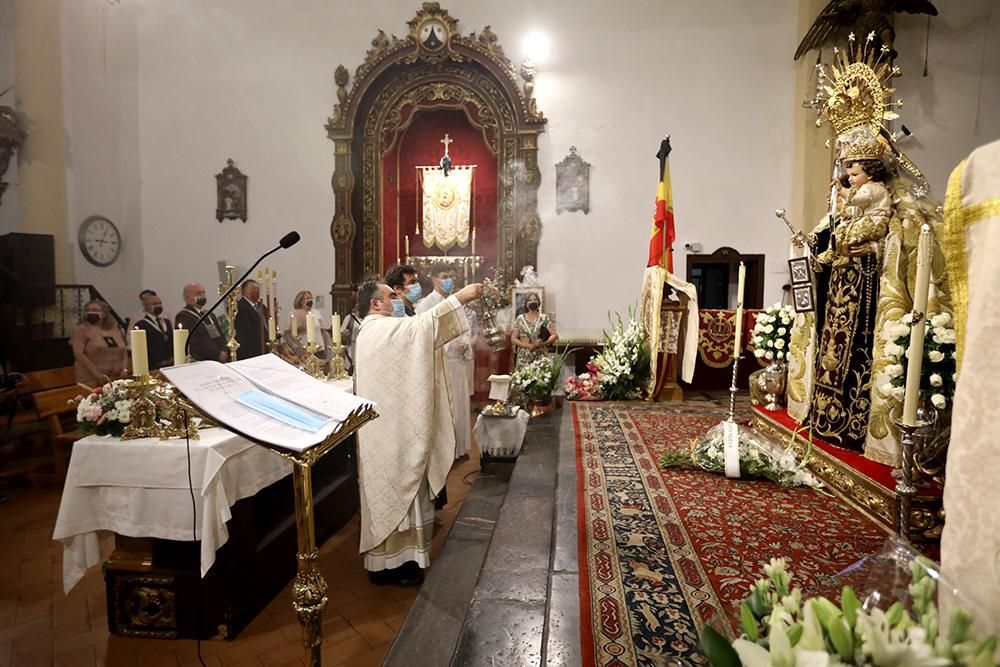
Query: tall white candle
point(140, 358)
point(180, 342)
point(335, 323)
point(739, 310)
point(473, 241)
point(407, 246)
point(272, 333)
point(915, 354)
point(293, 325)
point(310, 328)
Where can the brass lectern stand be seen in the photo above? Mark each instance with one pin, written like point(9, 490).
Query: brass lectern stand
point(309, 589)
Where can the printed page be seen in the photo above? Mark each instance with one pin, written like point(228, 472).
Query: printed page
point(212, 387)
point(285, 380)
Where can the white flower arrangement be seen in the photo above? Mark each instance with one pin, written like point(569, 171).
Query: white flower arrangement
point(537, 379)
point(106, 410)
point(938, 364)
point(771, 333)
point(782, 629)
point(623, 364)
point(759, 457)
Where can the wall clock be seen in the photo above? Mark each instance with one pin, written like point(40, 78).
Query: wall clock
point(100, 241)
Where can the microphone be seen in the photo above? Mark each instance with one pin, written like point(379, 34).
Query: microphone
point(287, 241)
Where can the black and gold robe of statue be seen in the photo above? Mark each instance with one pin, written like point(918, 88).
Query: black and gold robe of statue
point(841, 399)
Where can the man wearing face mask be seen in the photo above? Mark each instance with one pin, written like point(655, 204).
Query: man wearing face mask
point(404, 456)
point(404, 281)
point(159, 333)
point(458, 356)
point(138, 315)
point(207, 342)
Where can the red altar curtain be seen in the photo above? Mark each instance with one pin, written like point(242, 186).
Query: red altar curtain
point(419, 144)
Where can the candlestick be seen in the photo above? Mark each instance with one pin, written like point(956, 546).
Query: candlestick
point(293, 325)
point(473, 241)
point(407, 246)
point(140, 358)
point(310, 328)
point(915, 354)
point(739, 310)
point(271, 329)
point(335, 325)
point(180, 342)
point(314, 366)
point(338, 364)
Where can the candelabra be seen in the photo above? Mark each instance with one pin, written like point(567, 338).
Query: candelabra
point(338, 363)
point(232, 305)
point(314, 365)
point(142, 423)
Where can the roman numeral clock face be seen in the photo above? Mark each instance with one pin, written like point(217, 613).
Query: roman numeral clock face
point(100, 241)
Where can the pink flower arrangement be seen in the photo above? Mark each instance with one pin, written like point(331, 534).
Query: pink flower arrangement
point(585, 386)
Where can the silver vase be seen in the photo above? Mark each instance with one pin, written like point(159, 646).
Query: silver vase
point(772, 381)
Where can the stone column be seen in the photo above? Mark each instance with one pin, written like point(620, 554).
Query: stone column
point(39, 103)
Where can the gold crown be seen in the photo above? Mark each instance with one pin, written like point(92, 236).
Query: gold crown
point(857, 91)
point(865, 150)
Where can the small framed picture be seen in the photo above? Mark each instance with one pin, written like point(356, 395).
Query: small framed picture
point(231, 193)
point(799, 270)
point(519, 299)
point(802, 298)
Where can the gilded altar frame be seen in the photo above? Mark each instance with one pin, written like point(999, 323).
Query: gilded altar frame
point(432, 66)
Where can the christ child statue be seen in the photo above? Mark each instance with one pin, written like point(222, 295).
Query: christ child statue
point(864, 219)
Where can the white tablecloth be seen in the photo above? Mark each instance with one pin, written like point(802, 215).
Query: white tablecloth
point(501, 436)
point(139, 488)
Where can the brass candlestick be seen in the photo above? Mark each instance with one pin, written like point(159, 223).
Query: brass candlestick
point(338, 363)
point(314, 365)
point(179, 416)
point(142, 423)
point(232, 306)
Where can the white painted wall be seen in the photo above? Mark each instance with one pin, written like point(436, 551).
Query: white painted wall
point(253, 81)
point(956, 107)
point(160, 94)
point(10, 206)
point(101, 114)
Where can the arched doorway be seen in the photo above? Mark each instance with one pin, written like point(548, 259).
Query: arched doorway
point(404, 97)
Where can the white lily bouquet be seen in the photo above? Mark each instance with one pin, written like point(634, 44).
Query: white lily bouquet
point(759, 457)
point(623, 364)
point(781, 628)
point(772, 331)
point(938, 372)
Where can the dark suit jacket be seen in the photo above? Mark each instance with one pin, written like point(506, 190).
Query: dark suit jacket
point(251, 329)
point(159, 342)
point(208, 341)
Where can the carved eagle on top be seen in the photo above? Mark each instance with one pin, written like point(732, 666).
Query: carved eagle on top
point(861, 17)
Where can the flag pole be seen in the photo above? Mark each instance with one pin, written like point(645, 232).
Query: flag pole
point(663, 253)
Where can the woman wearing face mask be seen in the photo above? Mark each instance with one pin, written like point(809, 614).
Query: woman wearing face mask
point(98, 346)
point(303, 305)
point(533, 332)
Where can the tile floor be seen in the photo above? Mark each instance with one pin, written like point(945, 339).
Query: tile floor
point(40, 625)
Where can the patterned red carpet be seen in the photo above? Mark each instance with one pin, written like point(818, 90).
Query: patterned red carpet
point(663, 552)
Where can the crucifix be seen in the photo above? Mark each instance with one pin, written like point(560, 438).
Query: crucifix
point(446, 159)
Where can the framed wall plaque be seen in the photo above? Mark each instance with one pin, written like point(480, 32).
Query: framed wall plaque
point(573, 183)
point(802, 298)
point(231, 193)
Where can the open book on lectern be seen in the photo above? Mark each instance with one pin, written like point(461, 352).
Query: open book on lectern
point(267, 400)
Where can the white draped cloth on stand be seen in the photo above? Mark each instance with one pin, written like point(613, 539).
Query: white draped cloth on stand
point(447, 205)
point(139, 488)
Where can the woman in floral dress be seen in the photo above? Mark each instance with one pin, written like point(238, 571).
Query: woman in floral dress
point(527, 329)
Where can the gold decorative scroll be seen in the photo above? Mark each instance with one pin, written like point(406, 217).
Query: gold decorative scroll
point(447, 204)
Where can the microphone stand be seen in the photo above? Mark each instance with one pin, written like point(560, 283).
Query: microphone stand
point(229, 291)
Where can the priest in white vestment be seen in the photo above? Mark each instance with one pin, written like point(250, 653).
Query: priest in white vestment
point(405, 455)
point(458, 360)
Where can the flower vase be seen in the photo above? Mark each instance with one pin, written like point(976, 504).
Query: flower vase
point(773, 380)
point(536, 408)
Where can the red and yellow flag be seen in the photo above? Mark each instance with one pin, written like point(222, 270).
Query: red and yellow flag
point(662, 236)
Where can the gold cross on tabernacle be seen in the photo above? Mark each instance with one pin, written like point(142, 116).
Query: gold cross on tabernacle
point(447, 140)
